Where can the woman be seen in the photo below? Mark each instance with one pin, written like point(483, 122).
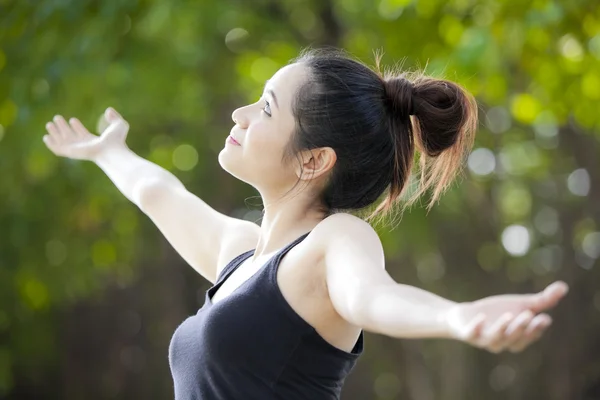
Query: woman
point(292, 297)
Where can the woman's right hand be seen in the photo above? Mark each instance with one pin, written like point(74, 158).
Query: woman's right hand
point(74, 141)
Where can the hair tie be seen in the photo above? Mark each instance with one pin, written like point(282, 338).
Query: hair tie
point(400, 92)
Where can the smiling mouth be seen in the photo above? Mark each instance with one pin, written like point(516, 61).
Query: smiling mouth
point(231, 139)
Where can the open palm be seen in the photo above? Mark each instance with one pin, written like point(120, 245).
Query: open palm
point(72, 139)
point(505, 322)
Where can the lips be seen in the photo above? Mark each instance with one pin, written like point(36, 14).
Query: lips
point(233, 140)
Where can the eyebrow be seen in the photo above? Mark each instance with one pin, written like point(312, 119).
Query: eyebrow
point(272, 93)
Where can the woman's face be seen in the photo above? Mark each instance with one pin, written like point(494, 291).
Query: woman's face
point(263, 129)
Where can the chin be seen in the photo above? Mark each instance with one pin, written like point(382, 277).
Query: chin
point(231, 165)
point(224, 161)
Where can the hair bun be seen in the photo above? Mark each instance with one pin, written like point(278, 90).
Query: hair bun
point(400, 92)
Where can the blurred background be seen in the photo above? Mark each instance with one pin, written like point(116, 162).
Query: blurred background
point(90, 292)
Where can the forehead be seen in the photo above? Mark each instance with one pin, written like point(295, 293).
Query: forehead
point(285, 81)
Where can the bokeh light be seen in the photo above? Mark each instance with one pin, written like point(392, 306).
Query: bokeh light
point(482, 162)
point(578, 182)
point(516, 240)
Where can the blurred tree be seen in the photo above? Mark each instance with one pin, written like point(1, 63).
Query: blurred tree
point(90, 292)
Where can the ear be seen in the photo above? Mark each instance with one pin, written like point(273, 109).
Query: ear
point(315, 163)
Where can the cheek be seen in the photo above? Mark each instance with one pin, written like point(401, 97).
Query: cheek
point(259, 160)
point(264, 146)
point(264, 153)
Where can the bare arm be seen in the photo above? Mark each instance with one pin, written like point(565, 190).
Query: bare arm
point(194, 229)
point(364, 294)
point(131, 173)
point(404, 311)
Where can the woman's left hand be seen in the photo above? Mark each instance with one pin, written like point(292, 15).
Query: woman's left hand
point(505, 322)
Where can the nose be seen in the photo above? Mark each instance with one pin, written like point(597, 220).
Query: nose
point(238, 117)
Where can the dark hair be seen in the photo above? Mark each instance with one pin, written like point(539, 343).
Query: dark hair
point(376, 123)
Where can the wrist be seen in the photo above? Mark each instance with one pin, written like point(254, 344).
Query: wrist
point(107, 152)
point(446, 319)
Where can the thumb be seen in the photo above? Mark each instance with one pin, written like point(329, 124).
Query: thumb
point(549, 297)
point(111, 114)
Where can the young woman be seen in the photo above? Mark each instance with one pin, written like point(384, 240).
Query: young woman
point(292, 297)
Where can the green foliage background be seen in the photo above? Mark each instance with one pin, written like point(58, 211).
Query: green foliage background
point(89, 290)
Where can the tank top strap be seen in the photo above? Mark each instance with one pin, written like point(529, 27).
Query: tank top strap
point(233, 265)
point(271, 276)
point(236, 262)
point(273, 263)
point(289, 246)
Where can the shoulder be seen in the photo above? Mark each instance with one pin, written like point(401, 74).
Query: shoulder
point(343, 231)
point(242, 236)
point(345, 225)
point(353, 263)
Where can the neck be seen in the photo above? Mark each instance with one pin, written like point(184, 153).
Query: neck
point(284, 220)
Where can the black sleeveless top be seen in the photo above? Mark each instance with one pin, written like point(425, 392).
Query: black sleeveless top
point(252, 345)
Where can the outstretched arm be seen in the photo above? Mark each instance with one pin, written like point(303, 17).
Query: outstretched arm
point(195, 230)
point(364, 294)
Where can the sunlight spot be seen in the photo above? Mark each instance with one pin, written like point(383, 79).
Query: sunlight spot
point(525, 108)
point(185, 157)
point(570, 48)
point(482, 161)
point(235, 38)
point(591, 244)
point(262, 69)
point(516, 240)
point(578, 182)
point(546, 221)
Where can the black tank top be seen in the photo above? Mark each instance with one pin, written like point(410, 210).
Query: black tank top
point(252, 345)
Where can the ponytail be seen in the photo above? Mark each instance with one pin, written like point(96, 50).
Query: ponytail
point(438, 119)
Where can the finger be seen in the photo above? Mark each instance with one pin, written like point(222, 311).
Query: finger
point(549, 297)
point(52, 130)
point(78, 127)
point(516, 329)
point(540, 319)
point(64, 130)
point(111, 114)
point(559, 286)
point(534, 332)
point(494, 336)
point(520, 322)
point(49, 141)
point(474, 328)
point(556, 290)
point(102, 123)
